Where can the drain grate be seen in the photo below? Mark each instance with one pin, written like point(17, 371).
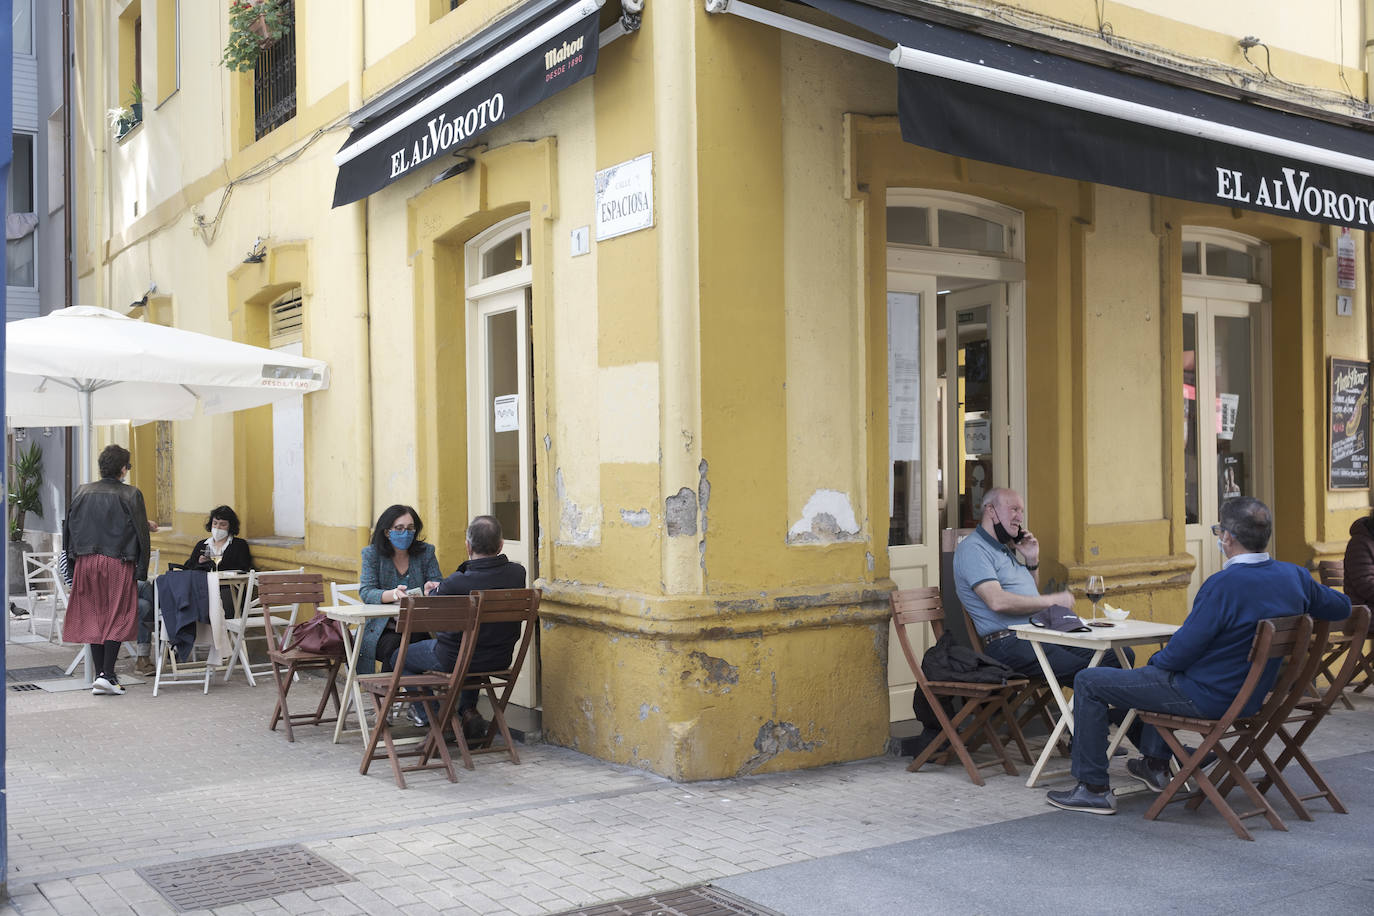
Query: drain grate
point(702, 900)
point(40, 673)
point(214, 881)
point(25, 687)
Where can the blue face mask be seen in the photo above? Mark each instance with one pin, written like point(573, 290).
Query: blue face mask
point(401, 540)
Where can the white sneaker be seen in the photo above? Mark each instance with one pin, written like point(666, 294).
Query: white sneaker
point(102, 686)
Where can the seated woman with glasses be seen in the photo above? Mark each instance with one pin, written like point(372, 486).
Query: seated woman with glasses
point(396, 562)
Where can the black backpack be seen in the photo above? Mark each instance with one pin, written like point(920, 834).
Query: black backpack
point(949, 661)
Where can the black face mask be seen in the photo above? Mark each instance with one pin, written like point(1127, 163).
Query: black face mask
point(1004, 536)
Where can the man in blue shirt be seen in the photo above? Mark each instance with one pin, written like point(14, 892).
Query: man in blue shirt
point(1202, 668)
point(995, 576)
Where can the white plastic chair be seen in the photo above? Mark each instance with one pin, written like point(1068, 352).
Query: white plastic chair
point(44, 588)
point(345, 593)
point(250, 617)
point(169, 672)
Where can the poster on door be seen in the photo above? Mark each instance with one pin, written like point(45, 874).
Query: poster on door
point(903, 376)
point(1228, 410)
point(1230, 476)
point(1348, 424)
point(505, 413)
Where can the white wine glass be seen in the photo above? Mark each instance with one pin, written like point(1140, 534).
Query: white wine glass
point(1094, 592)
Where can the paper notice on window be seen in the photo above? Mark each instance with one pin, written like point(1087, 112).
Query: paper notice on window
point(505, 413)
point(1228, 410)
point(903, 376)
point(977, 436)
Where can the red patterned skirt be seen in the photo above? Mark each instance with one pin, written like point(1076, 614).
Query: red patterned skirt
point(104, 601)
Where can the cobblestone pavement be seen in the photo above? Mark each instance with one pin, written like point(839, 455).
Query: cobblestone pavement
point(99, 787)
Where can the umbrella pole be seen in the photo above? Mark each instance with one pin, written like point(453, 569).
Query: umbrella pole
point(86, 434)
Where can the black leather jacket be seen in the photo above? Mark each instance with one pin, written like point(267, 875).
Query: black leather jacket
point(107, 517)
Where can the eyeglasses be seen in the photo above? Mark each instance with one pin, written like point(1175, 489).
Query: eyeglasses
point(399, 528)
point(1217, 530)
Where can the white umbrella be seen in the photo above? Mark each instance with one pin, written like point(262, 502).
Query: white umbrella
point(83, 365)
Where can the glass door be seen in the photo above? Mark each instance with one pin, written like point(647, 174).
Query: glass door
point(500, 476)
point(912, 423)
point(1225, 416)
point(974, 369)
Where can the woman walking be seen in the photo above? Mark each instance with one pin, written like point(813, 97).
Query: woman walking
point(106, 538)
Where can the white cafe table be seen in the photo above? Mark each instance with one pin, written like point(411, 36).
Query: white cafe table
point(1100, 640)
point(354, 617)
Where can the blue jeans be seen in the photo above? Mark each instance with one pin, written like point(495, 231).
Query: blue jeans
point(1095, 690)
point(421, 657)
point(1065, 661)
point(145, 617)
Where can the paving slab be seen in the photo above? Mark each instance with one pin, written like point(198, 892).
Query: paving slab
point(100, 787)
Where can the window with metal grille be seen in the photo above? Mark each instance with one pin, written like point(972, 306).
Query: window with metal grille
point(285, 321)
point(274, 81)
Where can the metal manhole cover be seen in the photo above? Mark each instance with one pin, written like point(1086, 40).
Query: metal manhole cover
point(25, 687)
point(702, 900)
point(214, 881)
point(40, 673)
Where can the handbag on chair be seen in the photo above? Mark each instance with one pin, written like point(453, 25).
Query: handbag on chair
point(318, 635)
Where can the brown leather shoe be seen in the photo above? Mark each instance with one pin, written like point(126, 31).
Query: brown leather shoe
point(144, 666)
point(474, 726)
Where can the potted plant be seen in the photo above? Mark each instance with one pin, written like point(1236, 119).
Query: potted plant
point(121, 121)
point(254, 26)
point(136, 103)
point(26, 482)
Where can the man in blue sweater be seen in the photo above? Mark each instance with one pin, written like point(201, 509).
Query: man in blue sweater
point(1202, 668)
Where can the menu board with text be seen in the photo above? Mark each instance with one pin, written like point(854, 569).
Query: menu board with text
point(1349, 424)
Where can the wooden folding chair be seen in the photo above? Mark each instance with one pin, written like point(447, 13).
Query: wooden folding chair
point(277, 590)
point(1332, 573)
point(982, 702)
point(1030, 702)
point(1254, 733)
point(432, 691)
point(1027, 704)
point(513, 605)
point(1294, 730)
point(1284, 639)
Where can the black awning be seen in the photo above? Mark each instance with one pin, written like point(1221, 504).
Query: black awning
point(446, 115)
point(980, 98)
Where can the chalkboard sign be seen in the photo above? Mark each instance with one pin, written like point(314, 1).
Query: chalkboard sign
point(1349, 424)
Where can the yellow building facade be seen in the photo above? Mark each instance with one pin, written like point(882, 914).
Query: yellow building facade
point(719, 434)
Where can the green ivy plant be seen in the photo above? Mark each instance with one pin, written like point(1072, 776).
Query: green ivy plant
point(26, 481)
point(254, 25)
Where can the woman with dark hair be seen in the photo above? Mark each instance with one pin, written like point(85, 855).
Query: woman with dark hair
point(106, 538)
point(224, 542)
point(395, 562)
point(1359, 561)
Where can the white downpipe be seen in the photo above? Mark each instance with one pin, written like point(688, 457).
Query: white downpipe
point(470, 78)
point(1058, 94)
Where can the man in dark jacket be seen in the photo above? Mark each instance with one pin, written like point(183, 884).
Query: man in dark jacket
point(1359, 562)
point(486, 568)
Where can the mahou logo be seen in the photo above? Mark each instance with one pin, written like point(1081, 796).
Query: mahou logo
point(555, 56)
